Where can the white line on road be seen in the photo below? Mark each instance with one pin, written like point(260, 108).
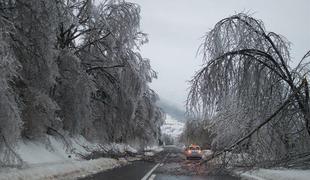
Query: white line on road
point(154, 168)
point(150, 172)
point(152, 177)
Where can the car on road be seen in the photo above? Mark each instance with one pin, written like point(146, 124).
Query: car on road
point(193, 152)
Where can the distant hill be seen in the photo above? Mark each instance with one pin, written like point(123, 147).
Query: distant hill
point(172, 127)
point(174, 111)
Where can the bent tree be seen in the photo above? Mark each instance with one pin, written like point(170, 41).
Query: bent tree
point(247, 86)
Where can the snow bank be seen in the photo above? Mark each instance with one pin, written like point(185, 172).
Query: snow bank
point(120, 148)
point(154, 148)
point(60, 170)
point(59, 158)
point(33, 152)
point(172, 127)
point(275, 174)
point(149, 154)
point(55, 150)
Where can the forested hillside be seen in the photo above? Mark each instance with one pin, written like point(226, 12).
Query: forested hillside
point(72, 67)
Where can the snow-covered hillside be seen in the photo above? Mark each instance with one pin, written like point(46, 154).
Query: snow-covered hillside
point(172, 127)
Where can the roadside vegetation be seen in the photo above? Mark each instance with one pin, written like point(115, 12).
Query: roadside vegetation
point(73, 68)
point(197, 132)
point(250, 98)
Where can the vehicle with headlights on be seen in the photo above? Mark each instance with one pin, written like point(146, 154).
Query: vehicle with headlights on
point(193, 152)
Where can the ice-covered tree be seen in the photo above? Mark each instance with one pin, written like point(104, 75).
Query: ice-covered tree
point(248, 86)
point(10, 114)
point(71, 68)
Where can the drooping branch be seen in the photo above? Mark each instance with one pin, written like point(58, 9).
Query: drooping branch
point(91, 43)
point(306, 56)
point(232, 51)
point(104, 67)
point(252, 53)
point(266, 121)
point(245, 77)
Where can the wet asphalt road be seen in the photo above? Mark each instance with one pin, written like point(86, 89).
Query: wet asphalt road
point(171, 166)
point(134, 171)
point(174, 177)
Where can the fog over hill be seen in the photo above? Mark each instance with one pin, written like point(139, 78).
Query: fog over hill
point(174, 111)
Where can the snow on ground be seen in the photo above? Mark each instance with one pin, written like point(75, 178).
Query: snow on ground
point(172, 127)
point(61, 170)
point(62, 159)
point(33, 152)
point(275, 174)
point(154, 148)
point(119, 148)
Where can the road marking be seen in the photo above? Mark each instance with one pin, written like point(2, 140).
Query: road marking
point(154, 168)
point(152, 177)
point(150, 172)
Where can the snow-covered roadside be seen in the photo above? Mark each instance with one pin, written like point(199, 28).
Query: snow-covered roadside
point(61, 170)
point(155, 149)
point(59, 150)
point(63, 159)
point(274, 174)
point(152, 150)
point(260, 173)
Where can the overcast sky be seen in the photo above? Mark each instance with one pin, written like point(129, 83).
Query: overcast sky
point(175, 28)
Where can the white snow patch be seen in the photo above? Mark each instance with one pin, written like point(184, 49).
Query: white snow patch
point(120, 148)
point(61, 170)
point(154, 148)
point(172, 127)
point(62, 159)
point(149, 153)
point(275, 174)
point(35, 152)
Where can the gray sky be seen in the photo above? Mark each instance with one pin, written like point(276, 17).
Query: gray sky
point(175, 28)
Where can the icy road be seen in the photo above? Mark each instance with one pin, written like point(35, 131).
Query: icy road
point(169, 164)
